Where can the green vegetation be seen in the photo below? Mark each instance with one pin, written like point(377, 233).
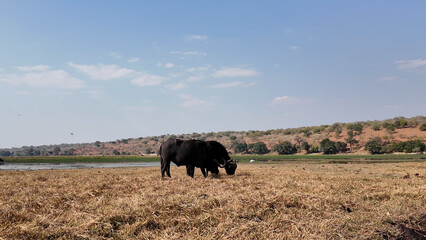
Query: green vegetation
point(284, 148)
point(423, 127)
point(258, 148)
point(333, 158)
point(383, 158)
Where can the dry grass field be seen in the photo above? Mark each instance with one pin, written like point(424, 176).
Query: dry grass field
point(262, 201)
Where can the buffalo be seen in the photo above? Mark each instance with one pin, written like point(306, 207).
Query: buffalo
point(206, 155)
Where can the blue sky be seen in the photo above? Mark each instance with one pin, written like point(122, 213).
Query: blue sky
point(106, 70)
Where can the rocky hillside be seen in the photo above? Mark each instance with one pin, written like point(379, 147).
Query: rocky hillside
point(352, 136)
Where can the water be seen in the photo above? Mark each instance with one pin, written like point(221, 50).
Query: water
point(51, 166)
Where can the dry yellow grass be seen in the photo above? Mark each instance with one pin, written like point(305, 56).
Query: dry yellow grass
point(287, 201)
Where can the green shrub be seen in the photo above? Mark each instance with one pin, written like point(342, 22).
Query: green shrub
point(239, 147)
point(357, 127)
point(258, 148)
point(328, 146)
point(376, 127)
point(284, 148)
point(423, 126)
point(314, 149)
point(374, 146)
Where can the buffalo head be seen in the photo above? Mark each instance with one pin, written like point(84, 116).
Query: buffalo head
point(229, 165)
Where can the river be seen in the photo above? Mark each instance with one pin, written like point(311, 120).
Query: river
point(52, 166)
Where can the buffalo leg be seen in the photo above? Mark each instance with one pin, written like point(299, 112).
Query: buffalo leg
point(168, 170)
point(205, 173)
point(190, 170)
point(164, 167)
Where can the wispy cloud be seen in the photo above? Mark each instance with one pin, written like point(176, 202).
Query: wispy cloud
point(176, 86)
point(284, 100)
point(195, 78)
point(169, 65)
point(133, 60)
point(228, 85)
point(411, 64)
point(102, 72)
point(188, 53)
point(114, 55)
point(145, 79)
point(198, 69)
point(33, 68)
point(234, 72)
point(387, 79)
point(42, 76)
point(196, 37)
point(294, 47)
point(189, 101)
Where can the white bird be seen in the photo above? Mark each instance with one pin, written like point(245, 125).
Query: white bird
point(252, 160)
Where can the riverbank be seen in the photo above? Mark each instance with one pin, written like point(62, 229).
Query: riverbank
point(340, 158)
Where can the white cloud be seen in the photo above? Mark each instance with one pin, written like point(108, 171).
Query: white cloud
point(387, 79)
point(411, 64)
point(193, 102)
point(176, 86)
point(189, 53)
point(33, 68)
point(133, 60)
point(41, 77)
point(199, 69)
point(284, 100)
point(169, 65)
point(102, 72)
point(227, 85)
point(196, 37)
point(195, 78)
point(294, 47)
point(114, 55)
point(234, 72)
point(148, 80)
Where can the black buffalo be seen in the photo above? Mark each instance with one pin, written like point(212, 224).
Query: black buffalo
point(206, 155)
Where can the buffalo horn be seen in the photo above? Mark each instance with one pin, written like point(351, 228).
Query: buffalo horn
point(217, 162)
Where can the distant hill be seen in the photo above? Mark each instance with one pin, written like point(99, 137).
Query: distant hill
point(305, 139)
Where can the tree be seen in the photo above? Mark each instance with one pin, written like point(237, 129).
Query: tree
point(328, 146)
point(357, 127)
point(258, 148)
point(341, 146)
point(306, 147)
point(97, 144)
point(374, 146)
point(401, 123)
point(351, 140)
point(239, 147)
point(389, 126)
point(285, 148)
point(56, 150)
point(115, 152)
point(5, 153)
